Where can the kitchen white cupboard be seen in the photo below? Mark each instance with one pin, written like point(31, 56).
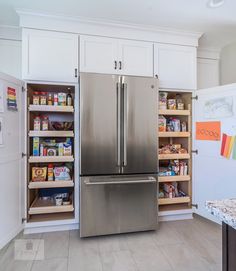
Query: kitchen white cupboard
point(116, 56)
point(175, 66)
point(207, 73)
point(49, 56)
point(12, 200)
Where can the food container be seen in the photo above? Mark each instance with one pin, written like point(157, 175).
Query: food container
point(37, 123)
point(55, 99)
point(52, 151)
point(36, 98)
point(43, 98)
point(50, 101)
point(58, 200)
point(162, 124)
point(45, 123)
point(62, 99)
point(171, 104)
point(163, 100)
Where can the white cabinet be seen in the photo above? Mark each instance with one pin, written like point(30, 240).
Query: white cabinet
point(136, 58)
point(116, 56)
point(175, 66)
point(98, 54)
point(49, 56)
point(207, 73)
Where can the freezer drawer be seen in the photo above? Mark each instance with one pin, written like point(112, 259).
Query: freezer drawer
point(110, 205)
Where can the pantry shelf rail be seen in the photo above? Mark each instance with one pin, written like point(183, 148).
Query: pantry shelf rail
point(51, 108)
point(163, 201)
point(180, 178)
point(50, 184)
point(50, 159)
point(51, 133)
point(174, 134)
point(169, 112)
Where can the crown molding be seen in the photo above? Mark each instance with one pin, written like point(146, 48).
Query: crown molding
point(208, 52)
point(115, 29)
point(8, 32)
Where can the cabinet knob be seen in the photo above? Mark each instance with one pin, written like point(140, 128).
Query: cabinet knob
point(120, 65)
point(156, 75)
point(76, 72)
point(115, 67)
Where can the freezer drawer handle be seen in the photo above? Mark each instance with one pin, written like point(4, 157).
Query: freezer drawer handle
point(149, 180)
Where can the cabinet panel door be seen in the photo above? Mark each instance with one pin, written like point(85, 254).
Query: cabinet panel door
point(136, 58)
point(50, 56)
point(175, 66)
point(98, 55)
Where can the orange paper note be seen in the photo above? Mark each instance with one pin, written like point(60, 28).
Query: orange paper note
point(208, 130)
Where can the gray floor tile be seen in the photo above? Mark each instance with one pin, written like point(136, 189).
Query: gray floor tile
point(137, 241)
point(151, 260)
point(8, 261)
point(56, 264)
point(85, 261)
point(118, 261)
point(56, 244)
point(112, 243)
point(79, 245)
point(183, 258)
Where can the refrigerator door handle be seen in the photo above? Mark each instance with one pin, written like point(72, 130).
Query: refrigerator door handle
point(118, 104)
point(124, 86)
point(144, 180)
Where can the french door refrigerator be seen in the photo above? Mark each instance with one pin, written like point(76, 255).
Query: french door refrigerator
point(118, 154)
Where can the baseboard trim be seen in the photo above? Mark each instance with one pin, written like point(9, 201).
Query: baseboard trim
point(51, 228)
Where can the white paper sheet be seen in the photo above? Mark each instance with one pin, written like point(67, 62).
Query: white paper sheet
point(218, 108)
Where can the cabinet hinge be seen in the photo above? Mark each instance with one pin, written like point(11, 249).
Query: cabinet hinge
point(23, 154)
point(23, 89)
point(23, 220)
point(195, 151)
point(156, 76)
point(194, 98)
point(195, 205)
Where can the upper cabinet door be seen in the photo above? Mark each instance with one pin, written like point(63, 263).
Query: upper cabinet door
point(98, 55)
point(176, 66)
point(135, 58)
point(50, 56)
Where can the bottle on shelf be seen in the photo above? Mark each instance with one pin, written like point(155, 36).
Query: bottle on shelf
point(50, 101)
point(50, 172)
point(69, 99)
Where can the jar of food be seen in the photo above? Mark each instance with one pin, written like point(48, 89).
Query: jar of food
point(45, 123)
point(43, 98)
point(55, 99)
point(37, 123)
point(50, 99)
point(36, 98)
point(62, 99)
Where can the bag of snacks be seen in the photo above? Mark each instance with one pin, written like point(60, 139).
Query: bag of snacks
point(39, 174)
point(162, 124)
point(162, 100)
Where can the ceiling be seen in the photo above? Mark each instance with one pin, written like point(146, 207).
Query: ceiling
point(219, 24)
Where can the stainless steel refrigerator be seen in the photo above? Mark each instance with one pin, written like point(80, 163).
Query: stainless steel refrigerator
point(118, 154)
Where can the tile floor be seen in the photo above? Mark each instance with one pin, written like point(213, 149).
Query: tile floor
point(192, 245)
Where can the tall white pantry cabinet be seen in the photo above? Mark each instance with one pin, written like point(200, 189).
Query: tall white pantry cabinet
point(53, 56)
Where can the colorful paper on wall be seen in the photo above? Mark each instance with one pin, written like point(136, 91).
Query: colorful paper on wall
point(208, 130)
point(228, 146)
point(234, 150)
point(224, 137)
point(231, 144)
point(11, 99)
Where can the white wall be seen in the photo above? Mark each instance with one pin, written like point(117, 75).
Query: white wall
point(228, 64)
point(10, 51)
